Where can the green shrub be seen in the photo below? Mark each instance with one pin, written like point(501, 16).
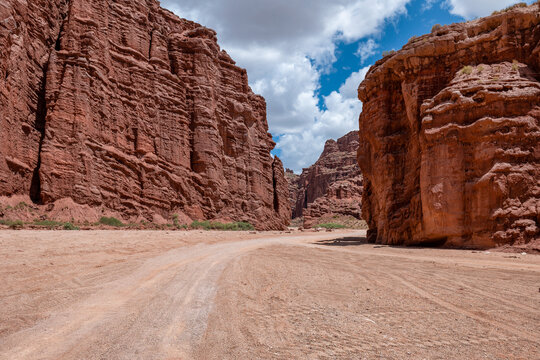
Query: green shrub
point(111, 221)
point(13, 224)
point(388, 53)
point(467, 70)
point(47, 223)
point(515, 65)
point(177, 224)
point(331, 226)
point(213, 225)
point(205, 225)
point(244, 226)
point(21, 205)
point(435, 28)
point(70, 226)
point(55, 224)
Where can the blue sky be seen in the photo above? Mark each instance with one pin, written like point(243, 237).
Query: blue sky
point(307, 57)
point(418, 20)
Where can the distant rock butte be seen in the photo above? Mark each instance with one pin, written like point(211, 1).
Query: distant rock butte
point(124, 106)
point(450, 136)
point(342, 199)
point(331, 186)
point(292, 181)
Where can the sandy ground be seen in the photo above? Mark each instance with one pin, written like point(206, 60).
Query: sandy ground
point(214, 295)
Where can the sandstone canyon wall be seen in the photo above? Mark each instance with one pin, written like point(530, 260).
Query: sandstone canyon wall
point(123, 105)
point(292, 181)
point(450, 136)
point(331, 186)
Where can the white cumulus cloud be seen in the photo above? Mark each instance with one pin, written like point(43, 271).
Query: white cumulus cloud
point(301, 149)
point(286, 46)
point(469, 9)
point(428, 4)
point(366, 49)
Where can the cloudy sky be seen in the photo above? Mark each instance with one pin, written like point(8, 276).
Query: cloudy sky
point(307, 57)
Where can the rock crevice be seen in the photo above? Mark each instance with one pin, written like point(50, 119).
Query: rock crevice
point(42, 108)
point(40, 124)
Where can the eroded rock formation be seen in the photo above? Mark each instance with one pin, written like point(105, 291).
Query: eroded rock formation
point(341, 203)
point(450, 136)
point(292, 180)
point(331, 186)
point(124, 105)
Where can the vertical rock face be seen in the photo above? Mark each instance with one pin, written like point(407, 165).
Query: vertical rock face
point(126, 106)
point(282, 205)
point(292, 181)
point(342, 199)
point(28, 32)
point(333, 185)
point(450, 136)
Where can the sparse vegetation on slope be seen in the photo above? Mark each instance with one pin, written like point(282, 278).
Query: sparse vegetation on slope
point(214, 225)
point(435, 28)
point(12, 224)
point(70, 226)
point(176, 222)
point(467, 70)
point(47, 223)
point(332, 226)
point(515, 6)
point(111, 221)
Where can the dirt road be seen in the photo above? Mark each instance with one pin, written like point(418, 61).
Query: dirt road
point(212, 295)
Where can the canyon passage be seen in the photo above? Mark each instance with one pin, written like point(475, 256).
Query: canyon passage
point(130, 142)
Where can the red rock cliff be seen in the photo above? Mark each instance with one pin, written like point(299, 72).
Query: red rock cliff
point(333, 184)
point(450, 136)
point(292, 180)
point(342, 204)
point(123, 105)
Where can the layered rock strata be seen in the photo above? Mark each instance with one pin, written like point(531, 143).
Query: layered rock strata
point(342, 200)
point(450, 136)
point(331, 186)
point(292, 181)
point(124, 105)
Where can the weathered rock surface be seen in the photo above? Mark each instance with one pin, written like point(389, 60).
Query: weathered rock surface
point(331, 186)
point(125, 106)
point(450, 136)
point(342, 199)
point(292, 180)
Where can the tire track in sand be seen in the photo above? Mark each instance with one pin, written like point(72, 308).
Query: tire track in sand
point(510, 329)
point(158, 311)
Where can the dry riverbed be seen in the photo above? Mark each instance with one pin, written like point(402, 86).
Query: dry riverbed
point(223, 295)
